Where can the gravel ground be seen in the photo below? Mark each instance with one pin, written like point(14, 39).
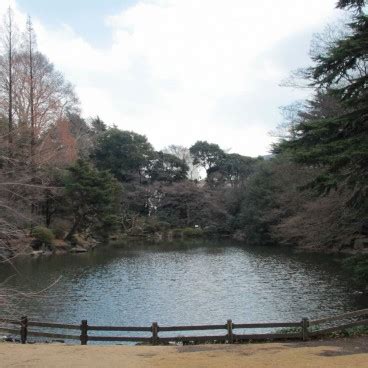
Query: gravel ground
point(344, 353)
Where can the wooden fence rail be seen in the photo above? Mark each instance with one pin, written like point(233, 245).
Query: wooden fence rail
point(25, 328)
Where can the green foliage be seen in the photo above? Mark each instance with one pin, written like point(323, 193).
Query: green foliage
point(211, 231)
point(352, 331)
point(351, 4)
point(337, 140)
point(349, 332)
point(153, 225)
point(78, 126)
point(185, 204)
point(136, 231)
point(243, 196)
point(237, 168)
point(252, 207)
point(43, 234)
point(58, 232)
point(177, 233)
point(92, 196)
point(167, 168)
point(98, 126)
point(221, 167)
point(125, 154)
point(207, 155)
point(163, 226)
point(190, 232)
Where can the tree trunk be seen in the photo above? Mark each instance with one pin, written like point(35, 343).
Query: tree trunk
point(73, 230)
point(10, 66)
point(30, 41)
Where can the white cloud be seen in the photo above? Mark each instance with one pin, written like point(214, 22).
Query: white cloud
point(182, 70)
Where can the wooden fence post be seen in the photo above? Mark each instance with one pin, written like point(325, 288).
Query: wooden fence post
point(230, 335)
point(84, 332)
point(305, 332)
point(23, 329)
point(154, 333)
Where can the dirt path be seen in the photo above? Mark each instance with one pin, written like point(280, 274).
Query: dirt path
point(344, 353)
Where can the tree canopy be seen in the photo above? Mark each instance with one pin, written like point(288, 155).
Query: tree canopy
point(167, 168)
point(338, 140)
point(91, 194)
point(79, 176)
point(351, 4)
point(126, 154)
point(207, 155)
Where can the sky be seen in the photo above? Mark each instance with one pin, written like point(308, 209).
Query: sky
point(179, 71)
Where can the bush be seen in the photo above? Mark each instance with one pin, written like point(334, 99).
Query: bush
point(135, 231)
point(190, 232)
point(59, 232)
point(349, 332)
point(152, 225)
point(43, 234)
point(177, 233)
point(60, 227)
point(149, 228)
point(164, 226)
point(211, 230)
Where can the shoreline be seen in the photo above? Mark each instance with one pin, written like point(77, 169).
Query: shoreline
point(347, 251)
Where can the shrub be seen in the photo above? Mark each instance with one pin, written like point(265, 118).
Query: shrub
point(43, 234)
point(60, 227)
point(164, 226)
point(190, 232)
point(177, 233)
point(149, 228)
point(211, 230)
point(349, 332)
point(59, 232)
point(135, 231)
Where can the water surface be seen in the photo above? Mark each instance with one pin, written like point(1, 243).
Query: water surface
point(183, 283)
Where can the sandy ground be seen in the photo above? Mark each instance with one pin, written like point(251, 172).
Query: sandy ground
point(343, 353)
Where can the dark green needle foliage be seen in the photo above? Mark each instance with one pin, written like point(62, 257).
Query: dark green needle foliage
point(351, 4)
point(91, 195)
point(337, 142)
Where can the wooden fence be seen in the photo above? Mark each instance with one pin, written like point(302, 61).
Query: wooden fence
point(25, 328)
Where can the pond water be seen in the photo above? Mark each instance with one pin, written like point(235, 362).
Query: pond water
point(183, 283)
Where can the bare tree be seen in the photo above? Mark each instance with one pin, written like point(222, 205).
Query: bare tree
point(35, 104)
point(7, 60)
point(31, 46)
point(320, 45)
point(286, 129)
point(41, 98)
point(41, 101)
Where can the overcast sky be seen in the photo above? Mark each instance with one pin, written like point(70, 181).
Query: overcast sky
point(181, 70)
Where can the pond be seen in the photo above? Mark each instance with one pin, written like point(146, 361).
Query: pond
point(183, 283)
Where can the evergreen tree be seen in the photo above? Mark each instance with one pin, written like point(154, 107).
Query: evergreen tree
point(338, 141)
point(167, 168)
point(258, 200)
point(351, 4)
point(126, 154)
point(207, 155)
point(91, 195)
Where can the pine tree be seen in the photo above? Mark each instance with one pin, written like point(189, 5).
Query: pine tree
point(338, 142)
point(351, 4)
point(92, 196)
